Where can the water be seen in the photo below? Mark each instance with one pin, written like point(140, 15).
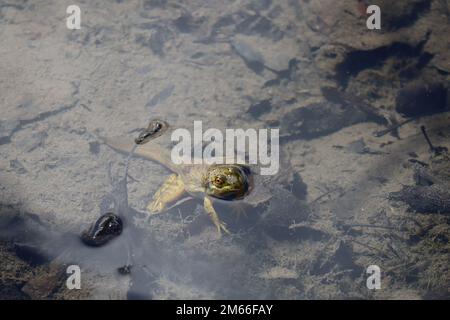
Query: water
point(311, 69)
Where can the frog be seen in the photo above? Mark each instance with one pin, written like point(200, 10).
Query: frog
point(224, 182)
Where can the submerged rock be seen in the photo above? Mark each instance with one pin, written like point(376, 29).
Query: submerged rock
point(107, 227)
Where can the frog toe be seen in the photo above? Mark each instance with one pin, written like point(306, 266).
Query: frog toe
point(222, 226)
point(155, 207)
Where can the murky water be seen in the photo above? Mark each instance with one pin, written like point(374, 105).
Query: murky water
point(349, 103)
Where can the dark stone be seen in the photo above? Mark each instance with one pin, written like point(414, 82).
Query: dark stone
point(106, 228)
point(154, 129)
point(124, 270)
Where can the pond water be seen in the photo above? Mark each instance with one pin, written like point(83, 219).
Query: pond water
point(363, 125)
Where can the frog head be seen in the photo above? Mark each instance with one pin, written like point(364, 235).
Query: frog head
point(228, 181)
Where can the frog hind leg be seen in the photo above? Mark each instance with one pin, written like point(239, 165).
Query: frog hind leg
point(171, 190)
point(220, 225)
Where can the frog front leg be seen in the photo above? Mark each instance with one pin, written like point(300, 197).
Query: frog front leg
point(171, 190)
point(214, 216)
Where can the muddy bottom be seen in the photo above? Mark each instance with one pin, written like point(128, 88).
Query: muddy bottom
point(364, 166)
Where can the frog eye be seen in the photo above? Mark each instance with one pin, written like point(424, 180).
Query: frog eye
point(218, 181)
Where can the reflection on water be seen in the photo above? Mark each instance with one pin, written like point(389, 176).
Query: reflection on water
point(349, 102)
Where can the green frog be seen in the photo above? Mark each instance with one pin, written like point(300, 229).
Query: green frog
point(211, 183)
